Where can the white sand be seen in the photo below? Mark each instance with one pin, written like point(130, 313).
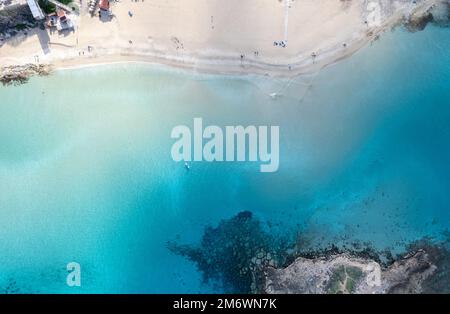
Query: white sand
point(211, 35)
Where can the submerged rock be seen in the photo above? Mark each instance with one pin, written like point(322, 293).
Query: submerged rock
point(21, 73)
point(233, 253)
point(418, 23)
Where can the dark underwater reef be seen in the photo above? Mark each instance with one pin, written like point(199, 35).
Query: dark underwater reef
point(230, 254)
point(235, 257)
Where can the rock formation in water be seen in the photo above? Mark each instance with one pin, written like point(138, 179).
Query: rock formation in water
point(348, 274)
point(21, 73)
point(241, 256)
point(415, 15)
point(232, 254)
point(439, 14)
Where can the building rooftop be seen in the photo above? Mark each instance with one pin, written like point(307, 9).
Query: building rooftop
point(104, 5)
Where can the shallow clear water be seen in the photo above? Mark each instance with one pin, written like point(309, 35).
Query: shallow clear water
point(86, 173)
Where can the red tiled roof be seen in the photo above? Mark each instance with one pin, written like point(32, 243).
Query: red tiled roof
point(104, 4)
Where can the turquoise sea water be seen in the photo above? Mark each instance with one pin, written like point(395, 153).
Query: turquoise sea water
point(86, 173)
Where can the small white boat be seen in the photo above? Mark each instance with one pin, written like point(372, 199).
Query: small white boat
point(186, 165)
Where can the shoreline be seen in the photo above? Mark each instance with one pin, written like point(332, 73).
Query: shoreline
point(224, 63)
point(212, 65)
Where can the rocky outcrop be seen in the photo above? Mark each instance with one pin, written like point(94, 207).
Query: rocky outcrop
point(415, 15)
point(438, 13)
point(241, 255)
point(344, 273)
point(21, 73)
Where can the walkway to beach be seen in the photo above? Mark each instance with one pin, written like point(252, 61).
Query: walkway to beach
point(286, 19)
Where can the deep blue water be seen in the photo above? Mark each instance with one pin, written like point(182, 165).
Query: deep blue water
point(86, 173)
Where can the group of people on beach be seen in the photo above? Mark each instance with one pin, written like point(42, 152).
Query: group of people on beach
point(89, 49)
point(281, 43)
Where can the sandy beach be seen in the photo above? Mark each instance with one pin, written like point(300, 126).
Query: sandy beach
point(269, 37)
